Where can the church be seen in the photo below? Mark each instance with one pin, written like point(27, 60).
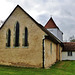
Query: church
point(26, 43)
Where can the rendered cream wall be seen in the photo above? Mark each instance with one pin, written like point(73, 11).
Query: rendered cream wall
point(66, 57)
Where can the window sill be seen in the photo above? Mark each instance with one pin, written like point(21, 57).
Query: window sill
point(16, 47)
point(8, 47)
point(25, 46)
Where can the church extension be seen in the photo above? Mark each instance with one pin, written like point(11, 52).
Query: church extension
point(24, 42)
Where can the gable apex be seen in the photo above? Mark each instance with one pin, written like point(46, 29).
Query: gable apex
point(13, 12)
point(51, 24)
point(10, 15)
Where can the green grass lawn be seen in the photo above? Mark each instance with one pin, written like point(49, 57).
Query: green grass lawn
point(60, 68)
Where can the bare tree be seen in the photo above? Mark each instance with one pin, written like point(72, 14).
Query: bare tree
point(72, 39)
point(1, 22)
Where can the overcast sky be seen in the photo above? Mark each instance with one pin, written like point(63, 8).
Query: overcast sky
point(62, 11)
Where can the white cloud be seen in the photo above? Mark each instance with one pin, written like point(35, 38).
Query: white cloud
point(5, 9)
point(63, 12)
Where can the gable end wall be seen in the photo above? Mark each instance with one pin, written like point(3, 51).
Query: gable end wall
point(21, 56)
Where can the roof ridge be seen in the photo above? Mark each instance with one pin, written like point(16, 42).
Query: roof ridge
point(13, 11)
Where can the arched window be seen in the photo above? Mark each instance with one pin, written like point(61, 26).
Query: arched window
point(8, 37)
point(17, 34)
point(26, 37)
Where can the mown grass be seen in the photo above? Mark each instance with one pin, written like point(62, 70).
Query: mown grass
point(60, 68)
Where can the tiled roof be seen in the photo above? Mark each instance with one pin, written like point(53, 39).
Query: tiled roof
point(69, 46)
point(51, 24)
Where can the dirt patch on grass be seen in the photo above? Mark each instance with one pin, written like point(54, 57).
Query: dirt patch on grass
point(63, 64)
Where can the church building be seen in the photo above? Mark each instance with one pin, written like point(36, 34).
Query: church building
point(26, 43)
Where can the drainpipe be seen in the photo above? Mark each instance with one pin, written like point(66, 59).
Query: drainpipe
point(43, 51)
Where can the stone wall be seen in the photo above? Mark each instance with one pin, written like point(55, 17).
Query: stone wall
point(50, 57)
point(30, 56)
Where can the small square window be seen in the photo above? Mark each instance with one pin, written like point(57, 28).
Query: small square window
point(69, 53)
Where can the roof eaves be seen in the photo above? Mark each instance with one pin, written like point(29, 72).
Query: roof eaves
point(50, 34)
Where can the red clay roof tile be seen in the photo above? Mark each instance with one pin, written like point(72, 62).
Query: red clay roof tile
point(69, 46)
point(51, 24)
